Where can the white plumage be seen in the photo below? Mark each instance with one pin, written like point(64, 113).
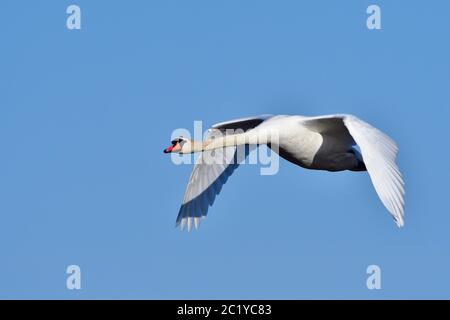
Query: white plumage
point(321, 143)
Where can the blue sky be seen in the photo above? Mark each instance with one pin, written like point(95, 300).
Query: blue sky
point(85, 115)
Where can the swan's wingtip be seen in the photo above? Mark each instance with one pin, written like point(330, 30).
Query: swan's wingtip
point(189, 224)
point(400, 223)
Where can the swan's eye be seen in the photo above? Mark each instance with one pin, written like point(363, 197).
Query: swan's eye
point(175, 141)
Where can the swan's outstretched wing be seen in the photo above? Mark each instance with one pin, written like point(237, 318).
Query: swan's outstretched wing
point(378, 152)
point(204, 184)
point(243, 123)
point(211, 171)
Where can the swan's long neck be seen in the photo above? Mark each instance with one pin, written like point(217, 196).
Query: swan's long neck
point(221, 142)
point(226, 141)
point(249, 137)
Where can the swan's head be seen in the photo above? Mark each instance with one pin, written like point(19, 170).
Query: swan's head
point(179, 145)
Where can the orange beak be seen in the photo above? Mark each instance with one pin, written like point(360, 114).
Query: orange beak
point(168, 149)
point(174, 147)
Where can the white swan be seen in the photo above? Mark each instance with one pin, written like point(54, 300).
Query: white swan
point(323, 143)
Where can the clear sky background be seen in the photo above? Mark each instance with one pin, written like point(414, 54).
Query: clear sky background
point(85, 115)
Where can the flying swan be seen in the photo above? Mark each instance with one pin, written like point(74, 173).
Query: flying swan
point(332, 142)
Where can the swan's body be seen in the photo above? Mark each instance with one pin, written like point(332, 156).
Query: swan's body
point(320, 143)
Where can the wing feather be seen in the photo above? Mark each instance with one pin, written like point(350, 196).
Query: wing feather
point(208, 177)
point(379, 153)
